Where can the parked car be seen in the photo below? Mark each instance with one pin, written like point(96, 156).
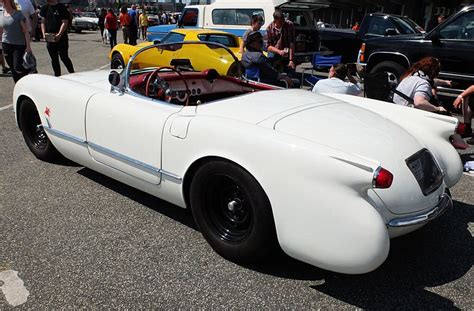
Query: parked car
point(258, 166)
point(121, 53)
point(347, 42)
point(452, 42)
point(80, 23)
point(91, 17)
point(235, 16)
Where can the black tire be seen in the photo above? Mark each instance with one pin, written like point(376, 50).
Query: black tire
point(233, 212)
point(117, 62)
point(33, 133)
point(394, 70)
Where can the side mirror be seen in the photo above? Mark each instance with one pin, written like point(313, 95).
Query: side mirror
point(390, 32)
point(156, 41)
point(114, 78)
point(434, 37)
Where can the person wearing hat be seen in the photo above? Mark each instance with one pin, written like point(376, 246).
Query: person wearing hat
point(254, 57)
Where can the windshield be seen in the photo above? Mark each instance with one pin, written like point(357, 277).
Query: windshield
point(89, 14)
point(187, 56)
point(186, 73)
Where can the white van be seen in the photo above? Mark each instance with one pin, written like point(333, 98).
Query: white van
point(234, 16)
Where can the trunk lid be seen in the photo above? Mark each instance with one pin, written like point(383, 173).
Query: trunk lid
point(366, 134)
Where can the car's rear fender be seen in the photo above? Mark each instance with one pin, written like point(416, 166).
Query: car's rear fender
point(431, 130)
point(319, 199)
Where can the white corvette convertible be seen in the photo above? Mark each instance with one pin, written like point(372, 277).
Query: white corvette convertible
point(329, 179)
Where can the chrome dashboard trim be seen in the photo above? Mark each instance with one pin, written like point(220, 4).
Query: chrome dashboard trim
point(445, 202)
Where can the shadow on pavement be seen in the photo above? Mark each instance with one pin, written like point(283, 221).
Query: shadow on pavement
point(174, 212)
point(437, 254)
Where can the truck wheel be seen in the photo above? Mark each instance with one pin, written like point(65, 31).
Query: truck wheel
point(117, 62)
point(393, 70)
point(232, 212)
point(34, 134)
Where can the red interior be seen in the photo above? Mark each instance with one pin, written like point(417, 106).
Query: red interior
point(202, 81)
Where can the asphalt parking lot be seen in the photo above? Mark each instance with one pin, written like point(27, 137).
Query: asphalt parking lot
point(81, 240)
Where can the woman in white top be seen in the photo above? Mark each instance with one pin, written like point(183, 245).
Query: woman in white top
point(418, 84)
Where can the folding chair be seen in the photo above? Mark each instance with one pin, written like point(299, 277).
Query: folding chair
point(320, 62)
point(253, 73)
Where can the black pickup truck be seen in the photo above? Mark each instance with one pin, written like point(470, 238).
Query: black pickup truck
point(347, 42)
point(452, 42)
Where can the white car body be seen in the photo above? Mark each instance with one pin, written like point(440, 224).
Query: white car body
point(315, 156)
point(90, 17)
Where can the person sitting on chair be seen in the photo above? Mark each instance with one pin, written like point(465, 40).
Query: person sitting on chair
point(336, 84)
point(254, 57)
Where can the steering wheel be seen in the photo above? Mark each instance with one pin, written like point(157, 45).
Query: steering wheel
point(163, 90)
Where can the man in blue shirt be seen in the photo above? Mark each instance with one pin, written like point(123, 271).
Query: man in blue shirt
point(336, 84)
point(133, 25)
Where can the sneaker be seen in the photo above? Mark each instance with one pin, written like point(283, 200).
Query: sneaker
point(6, 70)
point(470, 141)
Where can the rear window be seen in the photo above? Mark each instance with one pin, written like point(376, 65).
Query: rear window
point(234, 16)
point(379, 24)
point(297, 17)
point(173, 37)
point(226, 40)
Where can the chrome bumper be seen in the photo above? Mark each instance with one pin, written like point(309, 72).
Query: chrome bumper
point(444, 203)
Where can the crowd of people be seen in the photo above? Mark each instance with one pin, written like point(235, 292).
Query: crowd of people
point(270, 60)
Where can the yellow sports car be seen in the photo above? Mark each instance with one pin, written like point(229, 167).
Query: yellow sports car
point(121, 53)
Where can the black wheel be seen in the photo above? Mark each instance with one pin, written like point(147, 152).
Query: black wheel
point(117, 62)
point(34, 133)
point(393, 70)
point(232, 212)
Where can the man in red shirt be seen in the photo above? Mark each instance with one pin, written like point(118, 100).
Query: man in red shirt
point(111, 26)
point(281, 40)
point(125, 23)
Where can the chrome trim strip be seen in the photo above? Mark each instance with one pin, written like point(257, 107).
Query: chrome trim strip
point(444, 203)
point(136, 163)
point(124, 158)
point(448, 90)
point(376, 174)
point(65, 136)
point(456, 75)
point(393, 53)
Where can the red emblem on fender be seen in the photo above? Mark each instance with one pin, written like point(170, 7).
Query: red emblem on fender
point(47, 111)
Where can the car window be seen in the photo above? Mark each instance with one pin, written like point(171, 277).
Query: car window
point(378, 25)
point(190, 17)
point(226, 40)
point(173, 37)
point(462, 28)
point(234, 16)
point(296, 17)
point(406, 26)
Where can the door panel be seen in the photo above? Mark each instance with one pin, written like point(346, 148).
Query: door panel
point(125, 133)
